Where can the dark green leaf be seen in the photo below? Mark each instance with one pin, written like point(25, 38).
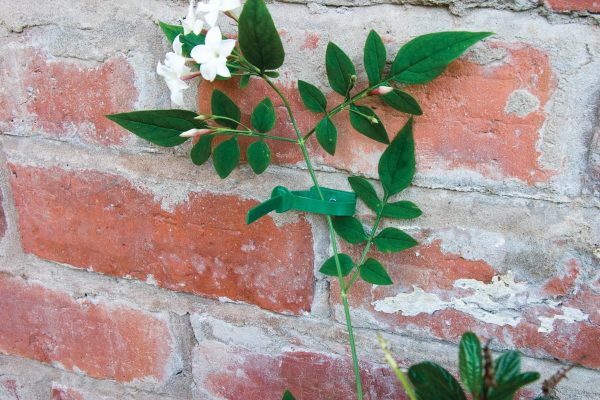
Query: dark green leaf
point(425, 57)
point(327, 135)
point(272, 74)
point(226, 156)
point(391, 240)
point(288, 396)
point(432, 382)
point(244, 81)
point(401, 210)
point(373, 272)
point(403, 102)
point(365, 191)
point(350, 229)
point(312, 97)
point(470, 363)
point(161, 127)
point(397, 163)
point(364, 125)
point(170, 31)
point(201, 150)
point(507, 366)
point(223, 106)
point(258, 38)
point(259, 156)
point(374, 57)
point(346, 264)
point(263, 116)
point(507, 390)
point(339, 69)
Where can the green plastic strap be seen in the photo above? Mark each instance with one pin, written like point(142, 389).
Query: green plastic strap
point(337, 203)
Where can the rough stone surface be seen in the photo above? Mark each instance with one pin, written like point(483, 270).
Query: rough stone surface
point(126, 272)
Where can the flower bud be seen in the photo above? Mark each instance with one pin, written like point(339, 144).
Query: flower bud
point(203, 117)
point(194, 133)
point(381, 90)
point(353, 78)
point(373, 120)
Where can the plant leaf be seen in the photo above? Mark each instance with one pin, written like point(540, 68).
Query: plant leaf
point(226, 157)
point(432, 382)
point(161, 127)
point(223, 106)
point(425, 57)
point(470, 363)
point(392, 240)
point(258, 38)
point(365, 191)
point(170, 31)
point(327, 135)
point(244, 81)
point(259, 156)
point(397, 163)
point(507, 390)
point(374, 57)
point(373, 272)
point(201, 151)
point(288, 396)
point(403, 102)
point(339, 69)
point(263, 116)
point(350, 229)
point(188, 41)
point(401, 210)
point(346, 264)
point(507, 366)
point(363, 125)
point(312, 97)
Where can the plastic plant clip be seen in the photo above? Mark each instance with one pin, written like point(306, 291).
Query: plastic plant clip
point(337, 202)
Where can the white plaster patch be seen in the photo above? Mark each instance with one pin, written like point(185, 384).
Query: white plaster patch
point(569, 315)
point(521, 103)
point(150, 280)
point(499, 302)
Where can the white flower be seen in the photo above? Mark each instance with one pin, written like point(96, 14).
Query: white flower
point(212, 56)
point(191, 23)
point(213, 7)
point(173, 70)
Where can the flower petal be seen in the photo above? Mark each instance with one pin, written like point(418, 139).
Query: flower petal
point(202, 54)
point(177, 45)
point(213, 39)
point(227, 5)
point(222, 70)
point(209, 71)
point(211, 17)
point(226, 47)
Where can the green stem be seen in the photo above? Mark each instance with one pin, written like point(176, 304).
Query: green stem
point(332, 236)
point(223, 132)
point(356, 273)
point(406, 384)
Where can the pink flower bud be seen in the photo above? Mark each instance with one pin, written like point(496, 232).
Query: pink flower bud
point(195, 133)
point(381, 90)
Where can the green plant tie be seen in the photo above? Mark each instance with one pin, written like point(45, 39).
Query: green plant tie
point(337, 202)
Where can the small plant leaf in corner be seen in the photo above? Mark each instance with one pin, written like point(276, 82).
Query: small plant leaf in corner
point(223, 106)
point(470, 363)
point(259, 156)
point(373, 272)
point(201, 151)
point(397, 163)
point(288, 396)
point(350, 229)
point(339, 69)
point(432, 382)
point(312, 97)
point(226, 157)
point(329, 267)
point(263, 116)
point(258, 38)
point(327, 135)
point(392, 240)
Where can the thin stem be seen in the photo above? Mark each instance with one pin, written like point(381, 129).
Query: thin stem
point(379, 215)
point(332, 236)
point(223, 132)
point(406, 384)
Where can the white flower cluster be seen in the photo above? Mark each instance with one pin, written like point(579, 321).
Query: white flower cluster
point(211, 56)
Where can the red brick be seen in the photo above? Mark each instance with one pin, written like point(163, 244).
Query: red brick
point(435, 271)
point(8, 389)
point(2, 219)
point(99, 221)
point(63, 393)
point(233, 373)
point(464, 125)
point(65, 99)
point(103, 341)
point(574, 5)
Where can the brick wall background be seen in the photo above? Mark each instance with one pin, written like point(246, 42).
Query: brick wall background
point(127, 272)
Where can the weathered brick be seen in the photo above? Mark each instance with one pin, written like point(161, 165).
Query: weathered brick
point(489, 124)
point(101, 340)
point(104, 223)
point(233, 372)
point(574, 5)
point(2, 219)
point(441, 294)
point(64, 393)
point(63, 99)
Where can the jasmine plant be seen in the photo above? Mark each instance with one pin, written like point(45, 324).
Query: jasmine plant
point(200, 50)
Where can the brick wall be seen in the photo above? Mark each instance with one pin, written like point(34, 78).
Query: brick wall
point(128, 272)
